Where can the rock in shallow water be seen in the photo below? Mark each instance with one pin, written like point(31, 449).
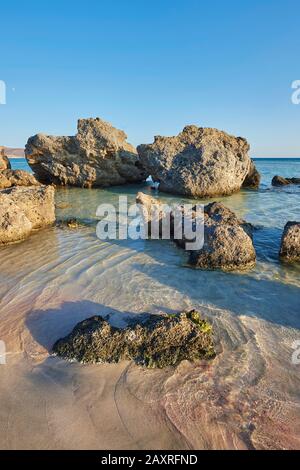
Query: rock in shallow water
point(228, 241)
point(199, 162)
point(290, 242)
point(281, 181)
point(157, 341)
point(23, 210)
point(97, 156)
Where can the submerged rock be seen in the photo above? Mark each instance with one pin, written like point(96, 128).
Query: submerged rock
point(157, 341)
point(9, 178)
point(290, 242)
point(4, 161)
point(228, 241)
point(281, 181)
point(199, 162)
point(23, 210)
point(97, 156)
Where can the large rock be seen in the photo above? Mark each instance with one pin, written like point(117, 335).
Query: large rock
point(228, 241)
point(290, 242)
point(281, 181)
point(156, 341)
point(4, 161)
point(23, 210)
point(199, 162)
point(97, 156)
point(9, 178)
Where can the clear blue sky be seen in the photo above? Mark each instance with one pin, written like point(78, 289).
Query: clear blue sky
point(151, 67)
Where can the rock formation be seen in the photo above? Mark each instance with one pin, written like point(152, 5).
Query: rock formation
point(199, 162)
point(156, 341)
point(290, 242)
point(4, 161)
point(228, 241)
point(23, 210)
point(9, 178)
point(281, 181)
point(97, 156)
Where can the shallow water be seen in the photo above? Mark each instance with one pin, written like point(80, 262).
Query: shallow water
point(248, 397)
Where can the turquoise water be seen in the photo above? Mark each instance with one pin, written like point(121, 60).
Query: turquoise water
point(249, 396)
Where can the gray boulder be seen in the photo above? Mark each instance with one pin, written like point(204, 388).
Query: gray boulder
point(199, 162)
point(23, 210)
point(290, 242)
point(97, 156)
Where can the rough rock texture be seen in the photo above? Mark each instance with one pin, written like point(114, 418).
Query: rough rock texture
point(281, 181)
point(199, 162)
point(290, 242)
point(253, 178)
point(14, 225)
point(9, 178)
point(157, 341)
point(23, 210)
point(4, 161)
point(97, 156)
point(228, 241)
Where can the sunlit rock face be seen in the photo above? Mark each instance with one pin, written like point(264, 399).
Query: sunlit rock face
point(199, 162)
point(98, 156)
point(4, 161)
point(23, 210)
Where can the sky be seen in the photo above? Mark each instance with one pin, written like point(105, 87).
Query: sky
point(152, 67)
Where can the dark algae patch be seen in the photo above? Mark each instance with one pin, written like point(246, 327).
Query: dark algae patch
point(155, 341)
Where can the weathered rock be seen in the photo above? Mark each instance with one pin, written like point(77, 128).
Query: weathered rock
point(97, 156)
point(199, 162)
point(23, 210)
point(9, 178)
point(228, 241)
point(14, 225)
point(4, 161)
point(253, 178)
point(156, 341)
point(281, 181)
point(290, 242)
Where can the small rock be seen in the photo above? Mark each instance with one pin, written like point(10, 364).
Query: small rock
point(157, 341)
point(4, 161)
point(281, 181)
point(290, 242)
point(9, 178)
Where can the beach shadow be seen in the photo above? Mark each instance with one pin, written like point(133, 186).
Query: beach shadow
point(47, 326)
